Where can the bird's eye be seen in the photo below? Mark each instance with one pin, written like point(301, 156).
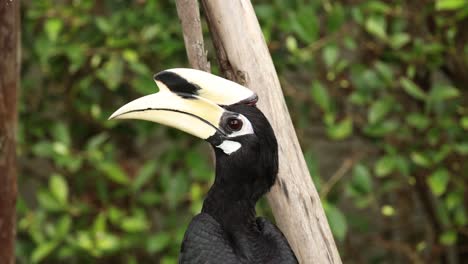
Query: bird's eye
point(234, 124)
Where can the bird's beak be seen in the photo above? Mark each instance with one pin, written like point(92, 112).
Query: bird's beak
point(189, 100)
point(193, 115)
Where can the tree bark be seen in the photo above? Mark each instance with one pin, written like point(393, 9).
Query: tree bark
point(9, 82)
point(189, 15)
point(244, 57)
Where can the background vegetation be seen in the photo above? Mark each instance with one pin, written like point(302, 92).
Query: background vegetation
point(377, 91)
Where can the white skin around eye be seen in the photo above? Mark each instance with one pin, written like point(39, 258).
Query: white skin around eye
point(246, 129)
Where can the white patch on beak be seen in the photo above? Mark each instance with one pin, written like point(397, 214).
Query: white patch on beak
point(229, 146)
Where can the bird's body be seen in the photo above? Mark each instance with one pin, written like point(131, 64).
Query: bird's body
point(227, 230)
point(206, 241)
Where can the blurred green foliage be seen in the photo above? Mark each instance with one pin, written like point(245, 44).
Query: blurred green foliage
point(377, 91)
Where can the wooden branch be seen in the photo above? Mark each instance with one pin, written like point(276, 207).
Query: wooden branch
point(244, 57)
point(189, 15)
point(9, 82)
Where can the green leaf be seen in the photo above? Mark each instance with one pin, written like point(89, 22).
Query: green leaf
point(107, 242)
point(385, 165)
point(58, 188)
point(151, 31)
point(76, 55)
point(454, 200)
point(60, 148)
point(376, 25)
point(330, 55)
point(63, 226)
point(111, 73)
point(376, 7)
point(378, 110)
point(362, 181)
point(149, 198)
point(135, 223)
point(337, 221)
point(382, 128)
point(53, 26)
point(442, 153)
point(84, 241)
point(43, 149)
point(43, 250)
point(61, 133)
point(130, 55)
point(448, 238)
point(157, 242)
point(450, 4)
point(464, 122)
point(438, 181)
point(443, 92)
point(320, 95)
point(340, 130)
point(169, 260)
point(421, 159)
point(385, 71)
point(399, 40)
point(418, 120)
point(103, 24)
point(144, 175)
point(114, 172)
point(100, 224)
point(402, 164)
point(336, 17)
point(412, 89)
point(116, 215)
point(48, 201)
point(96, 141)
point(305, 24)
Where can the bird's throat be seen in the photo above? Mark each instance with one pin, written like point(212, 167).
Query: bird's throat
point(232, 207)
point(241, 180)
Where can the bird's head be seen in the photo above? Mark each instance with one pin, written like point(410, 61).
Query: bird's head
point(217, 110)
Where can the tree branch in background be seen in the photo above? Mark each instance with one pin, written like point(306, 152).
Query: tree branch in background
point(189, 15)
point(345, 167)
point(9, 82)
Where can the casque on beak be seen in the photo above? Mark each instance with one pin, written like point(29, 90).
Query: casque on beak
point(189, 100)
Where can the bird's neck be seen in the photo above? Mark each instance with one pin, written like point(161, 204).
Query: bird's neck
point(232, 198)
point(236, 215)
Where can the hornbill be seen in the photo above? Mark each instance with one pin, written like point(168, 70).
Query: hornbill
point(224, 114)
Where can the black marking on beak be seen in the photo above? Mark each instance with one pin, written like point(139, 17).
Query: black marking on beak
point(177, 84)
point(177, 111)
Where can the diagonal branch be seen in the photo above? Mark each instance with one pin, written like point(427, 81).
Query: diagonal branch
point(244, 57)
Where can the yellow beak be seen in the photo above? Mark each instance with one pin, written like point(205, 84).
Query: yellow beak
point(193, 115)
point(189, 100)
